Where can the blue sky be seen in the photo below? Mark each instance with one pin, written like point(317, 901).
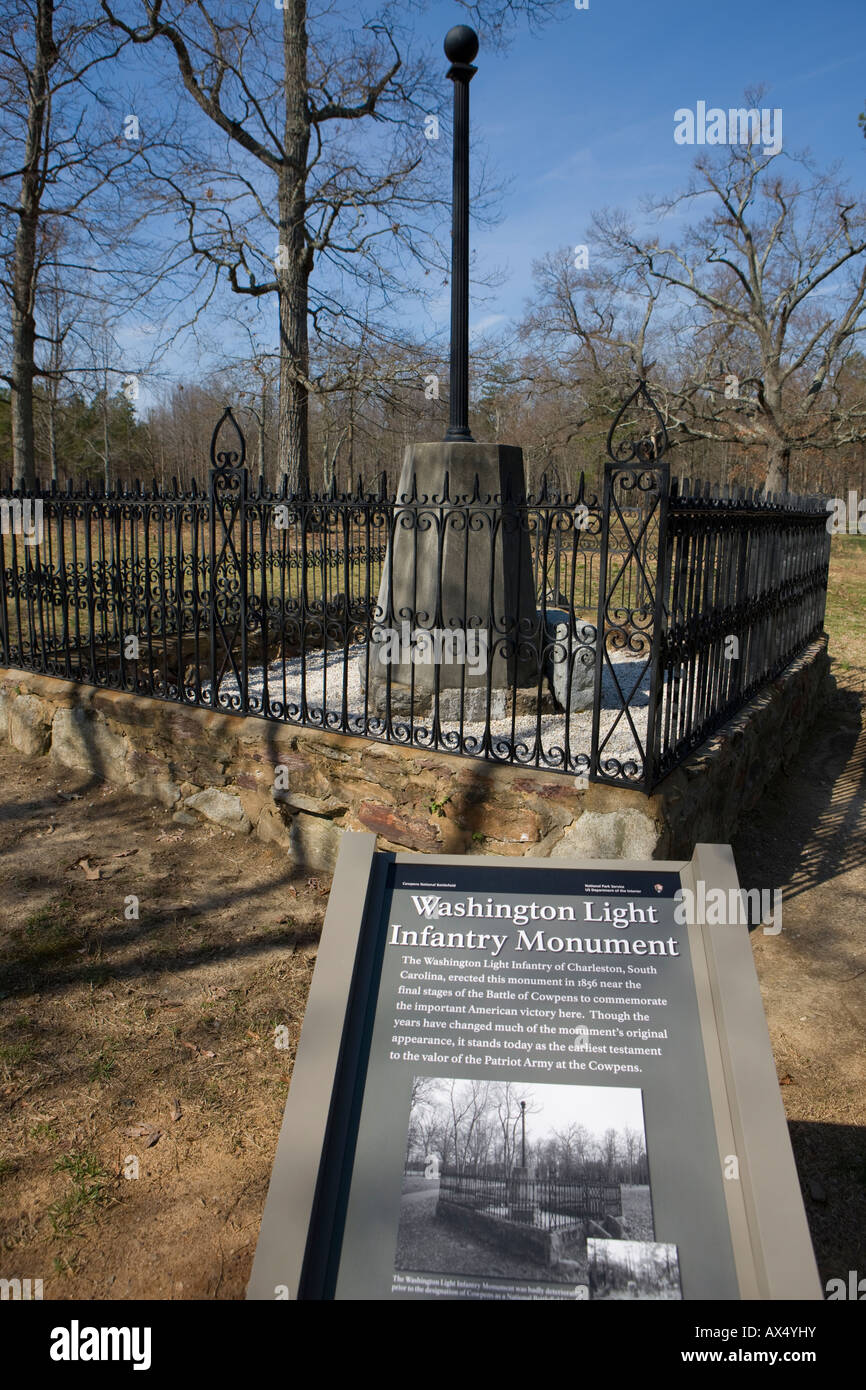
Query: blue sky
point(579, 114)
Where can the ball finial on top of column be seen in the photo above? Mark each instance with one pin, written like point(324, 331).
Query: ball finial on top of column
point(461, 44)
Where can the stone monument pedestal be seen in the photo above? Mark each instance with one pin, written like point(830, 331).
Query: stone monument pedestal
point(522, 1202)
point(456, 608)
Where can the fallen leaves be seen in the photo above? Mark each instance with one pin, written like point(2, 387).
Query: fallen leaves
point(89, 872)
point(149, 1133)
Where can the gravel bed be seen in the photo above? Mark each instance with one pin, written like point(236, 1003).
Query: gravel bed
point(324, 675)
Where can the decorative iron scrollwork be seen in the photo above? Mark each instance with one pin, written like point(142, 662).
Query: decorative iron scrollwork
point(228, 458)
point(260, 602)
point(649, 447)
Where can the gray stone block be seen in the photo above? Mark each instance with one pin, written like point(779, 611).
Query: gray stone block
point(314, 805)
point(625, 834)
point(29, 725)
point(160, 789)
point(314, 842)
point(6, 698)
point(272, 829)
point(420, 700)
point(81, 739)
point(571, 660)
point(223, 808)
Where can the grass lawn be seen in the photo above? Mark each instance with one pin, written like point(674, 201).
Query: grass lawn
point(846, 606)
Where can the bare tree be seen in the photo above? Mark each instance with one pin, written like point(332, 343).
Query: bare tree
point(104, 376)
point(326, 177)
point(751, 317)
point(609, 1152)
point(467, 1101)
point(572, 1147)
point(252, 381)
point(508, 1098)
point(634, 1153)
point(69, 197)
point(775, 278)
point(59, 317)
point(423, 1092)
point(293, 184)
point(27, 74)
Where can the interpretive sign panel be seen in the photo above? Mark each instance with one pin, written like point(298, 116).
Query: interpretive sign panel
point(531, 1093)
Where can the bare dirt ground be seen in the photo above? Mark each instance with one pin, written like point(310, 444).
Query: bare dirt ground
point(114, 1030)
point(152, 1039)
point(809, 838)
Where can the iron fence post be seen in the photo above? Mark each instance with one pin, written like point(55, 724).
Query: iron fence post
point(4, 612)
point(635, 467)
point(599, 628)
point(651, 764)
point(229, 485)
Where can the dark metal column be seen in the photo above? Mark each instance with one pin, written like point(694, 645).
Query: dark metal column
point(461, 46)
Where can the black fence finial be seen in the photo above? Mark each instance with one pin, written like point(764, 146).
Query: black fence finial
point(228, 458)
point(649, 446)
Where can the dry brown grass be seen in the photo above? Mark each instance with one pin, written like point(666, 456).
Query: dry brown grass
point(111, 1029)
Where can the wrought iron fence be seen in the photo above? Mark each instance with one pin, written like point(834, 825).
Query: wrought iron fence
point(552, 1202)
point(745, 588)
point(738, 589)
point(395, 618)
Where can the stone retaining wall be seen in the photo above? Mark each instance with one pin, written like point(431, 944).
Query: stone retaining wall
point(299, 789)
point(512, 1237)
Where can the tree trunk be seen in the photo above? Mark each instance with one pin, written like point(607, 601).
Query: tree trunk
point(52, 433)
point(778, 468)
point(23, 339)
point(55, 362)
point(24, 260)
point(260, 450)
point(263, 417)
point(294, 260)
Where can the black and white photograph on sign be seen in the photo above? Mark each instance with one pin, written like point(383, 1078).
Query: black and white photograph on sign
point(510, 1181)
point(620, 1270)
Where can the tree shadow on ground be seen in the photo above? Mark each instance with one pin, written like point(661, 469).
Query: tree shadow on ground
point(810, 824)
point(831, 1162)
